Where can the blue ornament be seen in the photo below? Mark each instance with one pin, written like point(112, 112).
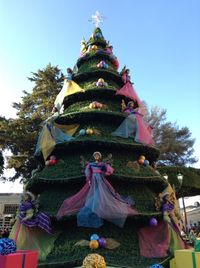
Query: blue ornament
point(82, 132)
point(7, 246)
point(98, 35)
point(106, 66)
point(146, 162)
point(94, 237)
point(156, 266)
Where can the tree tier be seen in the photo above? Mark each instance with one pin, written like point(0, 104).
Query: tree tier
point(91, 64)
point(101, 55)
point(53, 194)
point(92, 94)
point(95, 74)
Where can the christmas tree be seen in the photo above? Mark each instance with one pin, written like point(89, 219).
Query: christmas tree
point(96, 177)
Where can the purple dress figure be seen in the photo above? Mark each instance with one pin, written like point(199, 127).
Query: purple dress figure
point(29, 218)
point(97, 200)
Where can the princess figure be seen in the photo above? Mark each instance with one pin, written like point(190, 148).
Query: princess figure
point(33, 229)
point(125, 74)
point(134, 126)
point(97, 200)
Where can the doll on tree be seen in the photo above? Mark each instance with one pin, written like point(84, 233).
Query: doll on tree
point(134, 126)
point(33, 229)
point(97, 200)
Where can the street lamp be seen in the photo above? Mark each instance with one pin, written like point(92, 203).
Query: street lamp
point(180, 179)
point(165, 176)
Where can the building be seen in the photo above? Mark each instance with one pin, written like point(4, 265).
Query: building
point(192, 215)
point(8, 206)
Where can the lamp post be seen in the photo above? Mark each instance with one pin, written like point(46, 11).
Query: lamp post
point(180, 179)
point(165, 176)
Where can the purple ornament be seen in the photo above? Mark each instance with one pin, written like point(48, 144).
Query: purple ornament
point(153, 222)
point(102, 242)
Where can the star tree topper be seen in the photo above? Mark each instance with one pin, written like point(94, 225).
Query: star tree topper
point(97, 18)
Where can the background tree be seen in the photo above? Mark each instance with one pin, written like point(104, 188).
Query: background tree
point(19, 135)
point(175, 144)
point(1, 163)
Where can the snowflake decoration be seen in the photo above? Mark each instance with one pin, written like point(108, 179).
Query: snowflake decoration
point(97, 18)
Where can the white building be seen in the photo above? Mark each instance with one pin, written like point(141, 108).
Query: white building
point(8, 206)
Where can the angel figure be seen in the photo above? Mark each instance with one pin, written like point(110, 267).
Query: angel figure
point(97, 200)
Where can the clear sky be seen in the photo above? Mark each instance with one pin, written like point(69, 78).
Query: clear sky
point(158, 40)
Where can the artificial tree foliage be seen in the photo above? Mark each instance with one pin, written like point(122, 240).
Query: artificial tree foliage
point(57, 182)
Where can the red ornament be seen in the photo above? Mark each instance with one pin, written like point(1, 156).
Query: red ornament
point(52, 162)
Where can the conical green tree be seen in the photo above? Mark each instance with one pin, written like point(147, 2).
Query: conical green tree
point(95, 114)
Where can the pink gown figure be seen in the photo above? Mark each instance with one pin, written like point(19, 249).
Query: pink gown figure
point(125, 75)
point(97, 200)
point(134, 127)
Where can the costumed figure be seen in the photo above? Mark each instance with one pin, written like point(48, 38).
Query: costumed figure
point(125, 75)
point(32, 229)
point(134, 126)
point(172, 217)
point(69, 75)
point(98, 200)
point(158, 240)
point(52, 134)
point(69, 88)
point(83, 47)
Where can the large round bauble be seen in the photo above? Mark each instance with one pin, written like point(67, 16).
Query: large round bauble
point(102, 242)
point(153, 222)
point(89, 131)
point(52, 162)
point(82, 132)
point(94, 244)
point(94, 237)
point(146, 162)
point(141, 161)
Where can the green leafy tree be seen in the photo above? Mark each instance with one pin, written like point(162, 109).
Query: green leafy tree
point(19, 135)
point(1, 163)
point(175, 144)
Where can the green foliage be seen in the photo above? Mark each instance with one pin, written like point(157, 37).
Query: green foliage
point(91, 64)
point(20, 135)
point(127, 254)
point(175, 144)
point(191, 179)
point(1, 163)
point(90, 84)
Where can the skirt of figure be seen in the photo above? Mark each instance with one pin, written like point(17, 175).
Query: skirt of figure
point(103, 203)
point(33, 239)
point(134, 127)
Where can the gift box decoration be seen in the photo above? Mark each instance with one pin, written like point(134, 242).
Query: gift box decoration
point(197, 245)
point(20, 259)
point(172, 263)
point(187, 258)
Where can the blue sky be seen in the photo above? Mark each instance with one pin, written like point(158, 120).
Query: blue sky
point(158, 40)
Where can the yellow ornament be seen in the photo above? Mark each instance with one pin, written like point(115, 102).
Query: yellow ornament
point(94, 244)
point(94, 261)
point(89, 131)
point(94, 47)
